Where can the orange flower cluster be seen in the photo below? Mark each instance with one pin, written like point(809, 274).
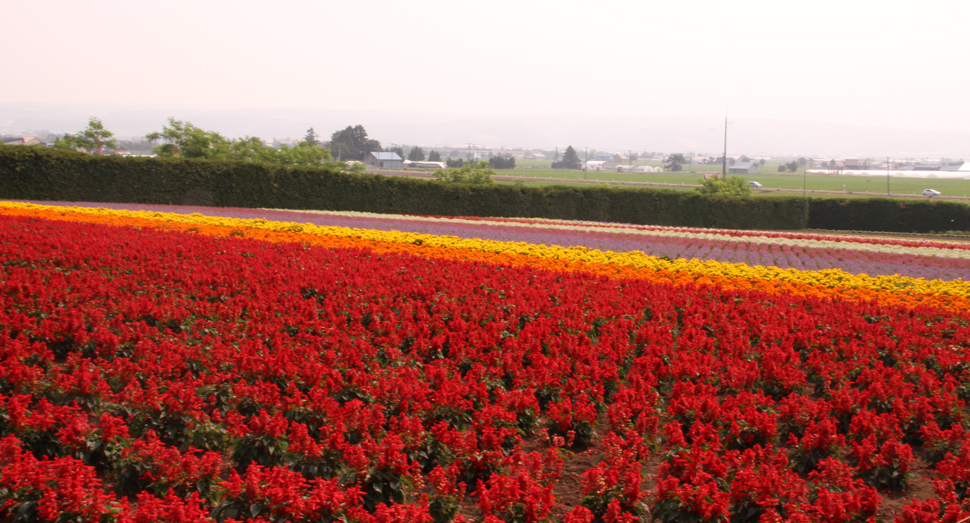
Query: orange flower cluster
point(906, 299)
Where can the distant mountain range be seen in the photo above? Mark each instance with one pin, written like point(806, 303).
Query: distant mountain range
point(670, 134)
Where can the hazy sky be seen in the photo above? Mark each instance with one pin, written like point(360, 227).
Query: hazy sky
point(901, 65)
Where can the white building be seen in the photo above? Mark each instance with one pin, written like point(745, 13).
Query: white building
point(384, 160)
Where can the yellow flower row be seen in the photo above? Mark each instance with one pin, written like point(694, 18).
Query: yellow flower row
point(829, 278)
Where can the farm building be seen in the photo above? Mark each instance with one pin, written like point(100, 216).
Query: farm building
point(425, 165)
point(638, 169)
point(959, 167)
point(22, 140)
point(595, 165)
point(383, 160)
point(535, 155)
point(744, 168)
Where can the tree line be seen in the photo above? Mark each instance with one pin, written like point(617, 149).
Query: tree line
point(183, 139)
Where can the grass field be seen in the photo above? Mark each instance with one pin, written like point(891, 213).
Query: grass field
point(812, 182)
point(529, 166)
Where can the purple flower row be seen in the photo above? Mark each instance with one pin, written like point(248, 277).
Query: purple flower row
point(785, 257)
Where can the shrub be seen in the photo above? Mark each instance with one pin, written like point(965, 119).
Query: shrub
point(474, 173)
point(732, 186)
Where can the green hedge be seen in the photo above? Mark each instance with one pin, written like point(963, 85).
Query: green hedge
point(32, 173)
point(889, 215)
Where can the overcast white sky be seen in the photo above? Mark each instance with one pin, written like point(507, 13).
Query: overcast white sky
point(901, 65)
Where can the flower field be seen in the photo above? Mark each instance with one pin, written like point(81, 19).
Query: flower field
point(193, 364)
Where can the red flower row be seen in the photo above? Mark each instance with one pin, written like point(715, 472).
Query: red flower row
point(147, 376)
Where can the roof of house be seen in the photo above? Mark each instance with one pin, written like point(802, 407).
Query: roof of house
point(742, 165)
point(385, 156)
point(23, 140)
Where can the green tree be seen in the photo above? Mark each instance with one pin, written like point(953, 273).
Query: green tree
point(570, 160)
point(675, 162)
point(477, 173)
point(732, 186)
point(502, 162)
point(312, 137)
point(188, 141)
point(252, 149)
point(304, 153)
point(792, 166)
point(416, 154)
point(93, 139)
point(352, 143)
point(434, 156)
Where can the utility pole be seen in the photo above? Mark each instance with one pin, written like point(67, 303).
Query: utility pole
point(888, 191)
point(724, 158)
point(556, 157)
point(586, 163)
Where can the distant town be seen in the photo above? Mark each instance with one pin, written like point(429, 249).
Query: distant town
point(592, 159)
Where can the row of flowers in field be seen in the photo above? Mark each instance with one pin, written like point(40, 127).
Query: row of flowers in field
point(828, 236)
point(855, 255)
point(850, 241)
point(156, 373)
point(948, 294)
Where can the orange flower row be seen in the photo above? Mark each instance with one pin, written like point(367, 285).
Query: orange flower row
point(906, 299)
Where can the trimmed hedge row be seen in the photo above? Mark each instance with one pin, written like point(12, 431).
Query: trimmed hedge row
point(888, 215)
point(32, 173)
